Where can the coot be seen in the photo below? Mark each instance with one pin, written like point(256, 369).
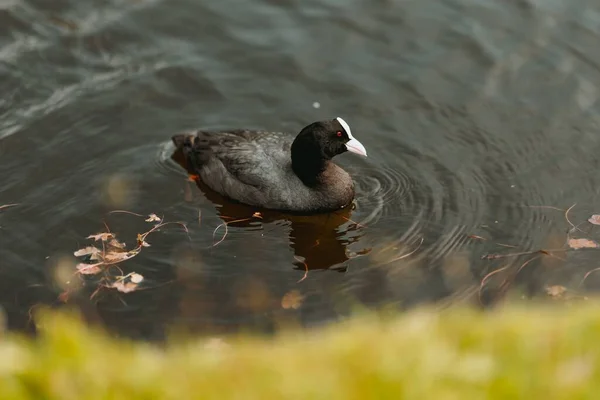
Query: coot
point(273, 170)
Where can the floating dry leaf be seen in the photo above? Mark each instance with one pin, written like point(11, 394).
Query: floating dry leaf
point(116, 257)
point(135, 277)
point(152, 218)
point(124, 287)
point(556, 291)
point(582, 244)
point(594, 219)
point(64, 296)
point(141, 241)
point(257, 215)
point(88, 269)
point(104, 236)
point(116, 244)
point(90, 250)
point(292, 299)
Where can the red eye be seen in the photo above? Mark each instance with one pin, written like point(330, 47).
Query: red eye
point(339, 133)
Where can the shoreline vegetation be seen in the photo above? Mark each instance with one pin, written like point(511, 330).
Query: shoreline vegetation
point(518, 351)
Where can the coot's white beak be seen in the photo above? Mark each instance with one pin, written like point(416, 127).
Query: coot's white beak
point(356, 147)
point(352, 145)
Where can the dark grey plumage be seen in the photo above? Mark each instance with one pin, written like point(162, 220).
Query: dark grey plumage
point(273, 170)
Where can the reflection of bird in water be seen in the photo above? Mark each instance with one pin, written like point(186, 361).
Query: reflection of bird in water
point(319, 241)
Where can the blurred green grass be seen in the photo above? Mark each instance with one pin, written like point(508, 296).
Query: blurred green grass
point(515, 352)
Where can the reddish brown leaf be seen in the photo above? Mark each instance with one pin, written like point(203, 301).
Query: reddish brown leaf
point(115, 244)
point(582, 244)
point(292, 299)
point(124, 287)
point(90, 250)
point(104, 236)
point(64, 296)
point(556, 291)
point(118, 256)
point(88, 269)
point(141, 241)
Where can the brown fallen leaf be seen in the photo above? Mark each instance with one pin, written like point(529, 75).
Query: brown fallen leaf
point(582, 244)
point(90, 250)
point(124, 287)
point(64, 296)
point(257, 215)
point(556, 291)
point(135, 277)
point(104, 236)
point(292, 299)
point(88, 269)
point(141, 241)
point(114, 257)
point(152, 218)
point(116, 245)
point(594, 219)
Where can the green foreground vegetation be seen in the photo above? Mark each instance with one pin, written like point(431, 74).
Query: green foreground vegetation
point(532, 352)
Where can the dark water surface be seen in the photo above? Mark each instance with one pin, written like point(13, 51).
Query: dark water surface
point(471, 111)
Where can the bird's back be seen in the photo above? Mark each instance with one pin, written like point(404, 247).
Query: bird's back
point(253, 167)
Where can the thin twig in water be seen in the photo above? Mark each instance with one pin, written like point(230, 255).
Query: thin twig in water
point(522, 253)
point(525, 264)
point(506, 245)
point(557, 257)
point(354, 222)
point(95, 292)
point(548, 207)
point(405, 255)
point(573, 227)
point(106, 226)
point(158, 226)
point(8, 205)
point(487, 277)
point(477, 237)
point(588, 274)
point(305, 269)
point(125, 212)
point(504, 284)
point(226, 229)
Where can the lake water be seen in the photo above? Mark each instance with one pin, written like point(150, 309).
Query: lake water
point(474, 115)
